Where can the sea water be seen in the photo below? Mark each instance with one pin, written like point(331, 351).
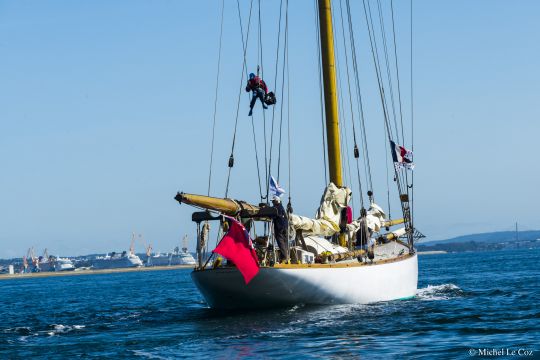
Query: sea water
point(467, 305)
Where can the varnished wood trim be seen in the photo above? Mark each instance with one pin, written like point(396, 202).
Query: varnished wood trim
point(339, 264)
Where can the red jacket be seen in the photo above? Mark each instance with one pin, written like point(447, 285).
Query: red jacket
point(255, 83)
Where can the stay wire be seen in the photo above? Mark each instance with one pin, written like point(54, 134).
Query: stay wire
point(367, 165)
point(260, 61)
point(323, 128)
point(399, 174)
point(397, 71)
point(398, 88)
point(403, 174)
point(216, 96)
point(285, 50)
point(381, 92)
point(244, 45)
point(412, 127)
point(274, 108)
point(351, 104)
point(289, 126)
point(387, 64)
point(256, 155)
point(375, 54)
point(387, 176)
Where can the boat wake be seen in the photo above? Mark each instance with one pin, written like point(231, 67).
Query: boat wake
point(23, 334)
point(57, 329)
point(439, 292)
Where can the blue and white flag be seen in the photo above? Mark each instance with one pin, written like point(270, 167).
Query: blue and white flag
point(275, 188)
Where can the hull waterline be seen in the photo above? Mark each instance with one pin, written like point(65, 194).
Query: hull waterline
point(224, 288)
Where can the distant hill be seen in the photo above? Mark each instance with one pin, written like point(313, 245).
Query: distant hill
point(491, 237)
point(485, 242)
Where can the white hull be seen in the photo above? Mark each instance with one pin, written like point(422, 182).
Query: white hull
point(170, 260)
point(116, 263)
point(224, 288)
point(64, 266)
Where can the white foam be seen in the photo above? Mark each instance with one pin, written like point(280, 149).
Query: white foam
point(147, 354)
point(438, 292)
point(62, 329)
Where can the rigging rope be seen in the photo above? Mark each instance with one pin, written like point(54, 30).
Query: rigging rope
point(256, 155)
point(387, 64)
point(356, 152)
point(381, 91)
point(289, 206)
point(367, 165)
point(317, 28)
point(387, 177)
point(216, 97)
point(244, 45)
point(261, 68)
point(274, 108)
point(399, 88)
point(285, 51)
point(404, 177)
point(260, 58)
point(397, 71)
point(375, 55)
point(412, 122)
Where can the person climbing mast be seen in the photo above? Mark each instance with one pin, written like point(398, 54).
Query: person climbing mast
point(258, 87)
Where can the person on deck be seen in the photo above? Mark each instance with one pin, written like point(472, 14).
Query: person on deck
point(258, 87)
point(370, 221)
point(281, 223)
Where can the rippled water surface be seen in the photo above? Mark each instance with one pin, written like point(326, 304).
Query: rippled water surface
point(465, 301)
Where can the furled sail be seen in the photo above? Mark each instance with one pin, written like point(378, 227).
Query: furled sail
point(375, 220)
point(326, 222)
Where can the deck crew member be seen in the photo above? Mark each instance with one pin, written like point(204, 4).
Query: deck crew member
point(370, 222)
point(281, 223)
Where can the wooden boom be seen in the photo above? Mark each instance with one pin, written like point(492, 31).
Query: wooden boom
point(225, 206)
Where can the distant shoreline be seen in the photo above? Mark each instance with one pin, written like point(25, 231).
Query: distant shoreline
point(92, 272)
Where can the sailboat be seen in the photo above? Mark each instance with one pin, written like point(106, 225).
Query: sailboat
point(326, 265)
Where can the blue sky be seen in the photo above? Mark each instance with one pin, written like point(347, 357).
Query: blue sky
point(106, 111)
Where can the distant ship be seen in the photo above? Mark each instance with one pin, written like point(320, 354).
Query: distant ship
point(176, 257)
point(42, 263)
point(186, 257)
point(116, 260)
point(63, 264)
point(46, 262)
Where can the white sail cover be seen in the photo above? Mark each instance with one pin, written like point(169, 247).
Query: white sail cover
point(375, 218)
point(326, 222)
point(319, 245)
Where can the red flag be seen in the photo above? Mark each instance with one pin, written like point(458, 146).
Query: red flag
point(236, 246)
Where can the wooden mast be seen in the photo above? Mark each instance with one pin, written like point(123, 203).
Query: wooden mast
point(330, 92)
point(330, 97)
